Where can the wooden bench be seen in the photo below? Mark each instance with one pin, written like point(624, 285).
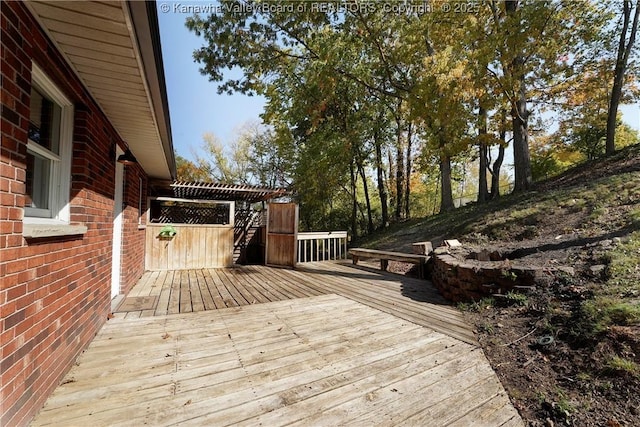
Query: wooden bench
point(386, 256)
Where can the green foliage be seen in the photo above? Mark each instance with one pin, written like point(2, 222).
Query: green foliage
point(252, 157)
point(188, 171)
point(559, 404)
point(509, 275)
point(621, 366)
point(356, 94)
point(626, 135)
point(544, 165)
point(597, 213)
point(517, 299)
point(477, 306)
point(563, 407)
point(624, 270)
point(486, 328)
point(596, 315)
point(589, 137)
point(549, 159)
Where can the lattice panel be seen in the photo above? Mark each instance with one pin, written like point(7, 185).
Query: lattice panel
point(182, 213)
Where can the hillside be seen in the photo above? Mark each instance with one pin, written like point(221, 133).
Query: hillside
point(586, 371)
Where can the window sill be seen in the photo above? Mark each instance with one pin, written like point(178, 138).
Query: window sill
point(36, 231)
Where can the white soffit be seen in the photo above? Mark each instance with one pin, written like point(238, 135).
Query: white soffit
point(99, 41)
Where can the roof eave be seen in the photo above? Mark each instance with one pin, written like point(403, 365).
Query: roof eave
point(124, 34)
point(145, 20)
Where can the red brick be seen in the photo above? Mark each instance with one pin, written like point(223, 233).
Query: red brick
point(51, 299)
point(7, 199)
point(4, 185)
point(16, 291)
point(14, 241)
point(17, 187)
point(6, 170)
point(15, 214)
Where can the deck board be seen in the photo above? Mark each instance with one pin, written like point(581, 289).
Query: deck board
point(206, 289)
point(321, 360)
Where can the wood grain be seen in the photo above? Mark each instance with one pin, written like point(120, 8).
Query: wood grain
point(322, 360)
point(193, 247)
point(206, 289)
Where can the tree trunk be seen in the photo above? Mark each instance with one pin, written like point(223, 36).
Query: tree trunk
point(495, 173)
point(521, 159)
point(624, 49)
point(519, 117)
point(366, 198)
point(446, 195)
point(354, 206)
point(407, 187)
point(391, 181)
point(382, 188)
point(438, 187)
point(483, 192)
point(399, 170)
point(497, 164)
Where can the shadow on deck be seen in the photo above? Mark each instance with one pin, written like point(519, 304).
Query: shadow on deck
point(173, 292)
point(326, 344)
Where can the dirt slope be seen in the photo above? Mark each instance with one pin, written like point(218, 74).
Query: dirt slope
point(569, 352)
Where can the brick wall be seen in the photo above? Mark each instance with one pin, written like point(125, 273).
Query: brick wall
point(54, 292)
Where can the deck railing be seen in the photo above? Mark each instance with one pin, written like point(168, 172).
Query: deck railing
point(322, 246)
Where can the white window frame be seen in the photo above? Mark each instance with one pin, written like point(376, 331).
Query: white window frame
point(60, 171)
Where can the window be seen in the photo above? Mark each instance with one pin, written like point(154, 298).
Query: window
point(48, 152)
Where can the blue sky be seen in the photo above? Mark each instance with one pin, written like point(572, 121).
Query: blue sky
point(194, 103)
point(195, 106)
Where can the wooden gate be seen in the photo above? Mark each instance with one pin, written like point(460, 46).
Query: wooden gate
point(282, 234)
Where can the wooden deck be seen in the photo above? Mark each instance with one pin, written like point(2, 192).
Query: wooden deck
point(172, 292)
point(314, 360)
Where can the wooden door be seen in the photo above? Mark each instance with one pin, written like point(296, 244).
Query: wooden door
point(282, 234)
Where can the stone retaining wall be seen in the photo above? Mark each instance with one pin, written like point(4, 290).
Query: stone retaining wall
point(471, 280)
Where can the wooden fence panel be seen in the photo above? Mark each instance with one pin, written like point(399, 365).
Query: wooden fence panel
point(282, 228)
point(282, 218)
point(193, 246)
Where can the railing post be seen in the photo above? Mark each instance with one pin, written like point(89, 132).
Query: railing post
point(322, 246)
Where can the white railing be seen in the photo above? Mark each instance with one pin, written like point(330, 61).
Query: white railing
point(322, 246)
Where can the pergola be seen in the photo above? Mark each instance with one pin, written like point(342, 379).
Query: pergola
point(216, 191)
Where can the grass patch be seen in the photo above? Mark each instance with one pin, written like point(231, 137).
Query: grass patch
point(597, 315)
point(622, 366)
point(597, 213)
point(523, 213)
point(559, 406)
point(617, 302)
point(624, 269)
point(516, 298)
point(563, 406)
point(487, 328)
point(575, 205)
point(477, 306)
